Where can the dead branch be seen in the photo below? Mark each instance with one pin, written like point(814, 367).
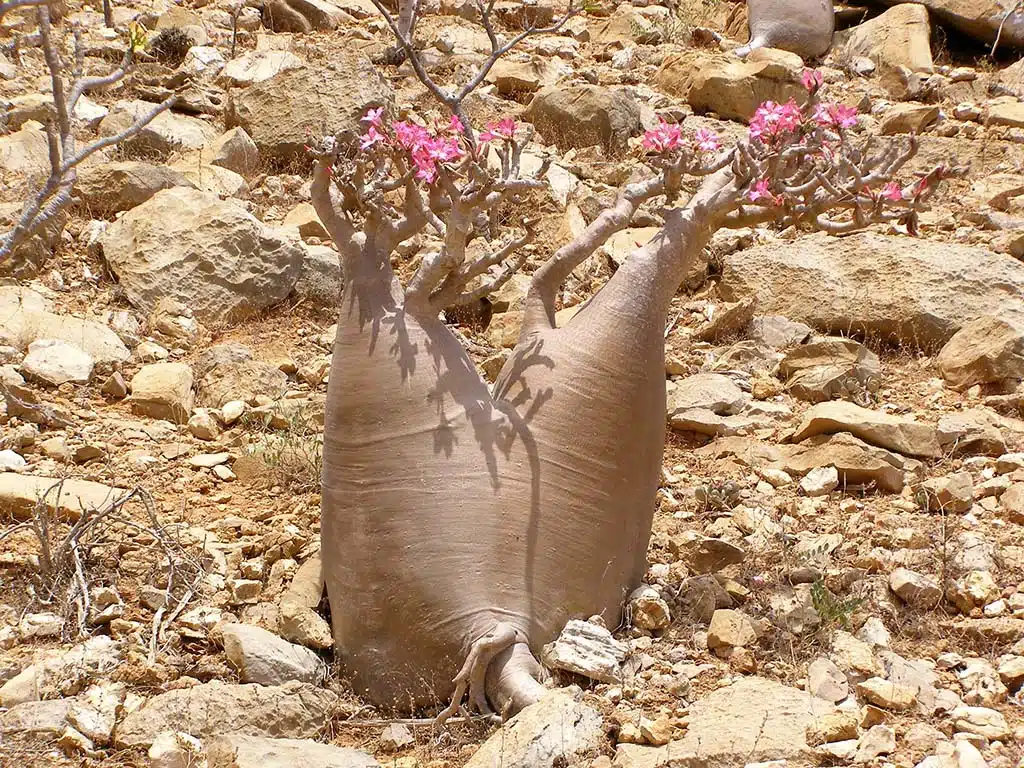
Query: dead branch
point(55, 193)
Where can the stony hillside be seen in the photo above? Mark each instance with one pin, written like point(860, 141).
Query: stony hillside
point(837, 567)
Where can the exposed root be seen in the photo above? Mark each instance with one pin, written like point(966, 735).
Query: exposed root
point(515, 680)
point(472, 676)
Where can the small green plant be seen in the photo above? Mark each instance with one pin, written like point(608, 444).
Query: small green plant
point(290, 444)
point(832, 611)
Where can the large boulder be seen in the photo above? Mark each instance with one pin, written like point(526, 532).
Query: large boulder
point(208, 253)
point(729, 87)
point(898, 289)
point(278, 113)
point(980, 19)
point(899, 38)
point(985, 350)
point(584, 115)
point(911, 438)
point(107, 188)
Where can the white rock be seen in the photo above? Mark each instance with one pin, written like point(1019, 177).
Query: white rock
point(263, 657)
point(820, 481)
point(176, 750)
point(11, 461)
point(55, 362)
point(589, 650)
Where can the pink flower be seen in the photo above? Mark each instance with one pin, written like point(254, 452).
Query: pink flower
point(762, 191)
point(892, 191)
point(663, 138)
point(409, 134)
point(456, 126)
point(503, 129)
point(835, 115)
point(371, 137)
point(706, 140)
point(373, 117)
point(812, 79)
point(772, 120)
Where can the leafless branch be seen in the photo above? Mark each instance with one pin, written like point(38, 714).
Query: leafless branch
point(64, 156)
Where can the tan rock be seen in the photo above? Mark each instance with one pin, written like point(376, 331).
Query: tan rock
point(886, 694)
point(731, 629)
point(827, 368)
point(584, 115)
point(987, 349)
point(163, 391)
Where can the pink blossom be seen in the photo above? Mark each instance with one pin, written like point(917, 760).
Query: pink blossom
point(835, 115)
point(772, 120)
point(892, 191)
point(409, 134)
point(762, 191)
point(503, 129)
point(373, 117)
point(456, 126)
point(663, 138)
point(812, 79)
point(371, 137)
point(706, 140)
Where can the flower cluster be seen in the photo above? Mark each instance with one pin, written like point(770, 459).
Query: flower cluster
point(772, 121)
point(428, 149)
point(668, 136)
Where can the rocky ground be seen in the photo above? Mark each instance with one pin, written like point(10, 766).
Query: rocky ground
point(837, 567)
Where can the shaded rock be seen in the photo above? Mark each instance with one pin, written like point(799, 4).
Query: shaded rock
point(752, 720)
point(210, 254)
point(587, 649)
point(879, 740)
point(988, 349)
point(778, 331)
point(980, 20)
point(647, 610)
point(234, 150)
point(707, 555)
point(108, 188)
point(56, 362)
point(263, 657)
point(877, 285)
point(908, 118)
point(293, 710)
point(857, 463)
point(40, 717)
point(163, 391)
point(241, 751)
point(728, 319)
point(300, 623)
point(549, 732)
point(232, 379)
point(321, 277)
point(828, 368)
point(62, 670)
point(277, 113)
point(826, 681)
point(875, 427)
point(584, 115)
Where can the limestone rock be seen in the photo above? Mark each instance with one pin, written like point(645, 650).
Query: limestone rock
point(731, 629)
point(25, 151)
point(19, 495)
point(241, 751)
point(38, 717)
point(952, 493)
point(882, 286)
point(210, 254)
point(174, 749)
point(293, 710)
point(27, 317)
point(168, 132)
point(263, 657)
point(857, 463)
point(750, 721)
point(587, 649)
point(731, 88)
point(980, 20)
point(832, 367)
point(914, 588)
point(879, 740)
point(886, 694)
point(584, 115)
point(68, 669)
point(981, 721)
point(163, 391)
point(899, 38)
point(108, 188)
point(234, 150)
point(910, 438)
point(257, 66)
point(549, 732)
point(276, 113)
point(820, 481)
point(300, 623)
point(711, 391)
point(826, 681)
point(647, 610)
point(56, 362)
point(972, 432)
point(227, 372)
point(908, 118)
point(987, 349)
